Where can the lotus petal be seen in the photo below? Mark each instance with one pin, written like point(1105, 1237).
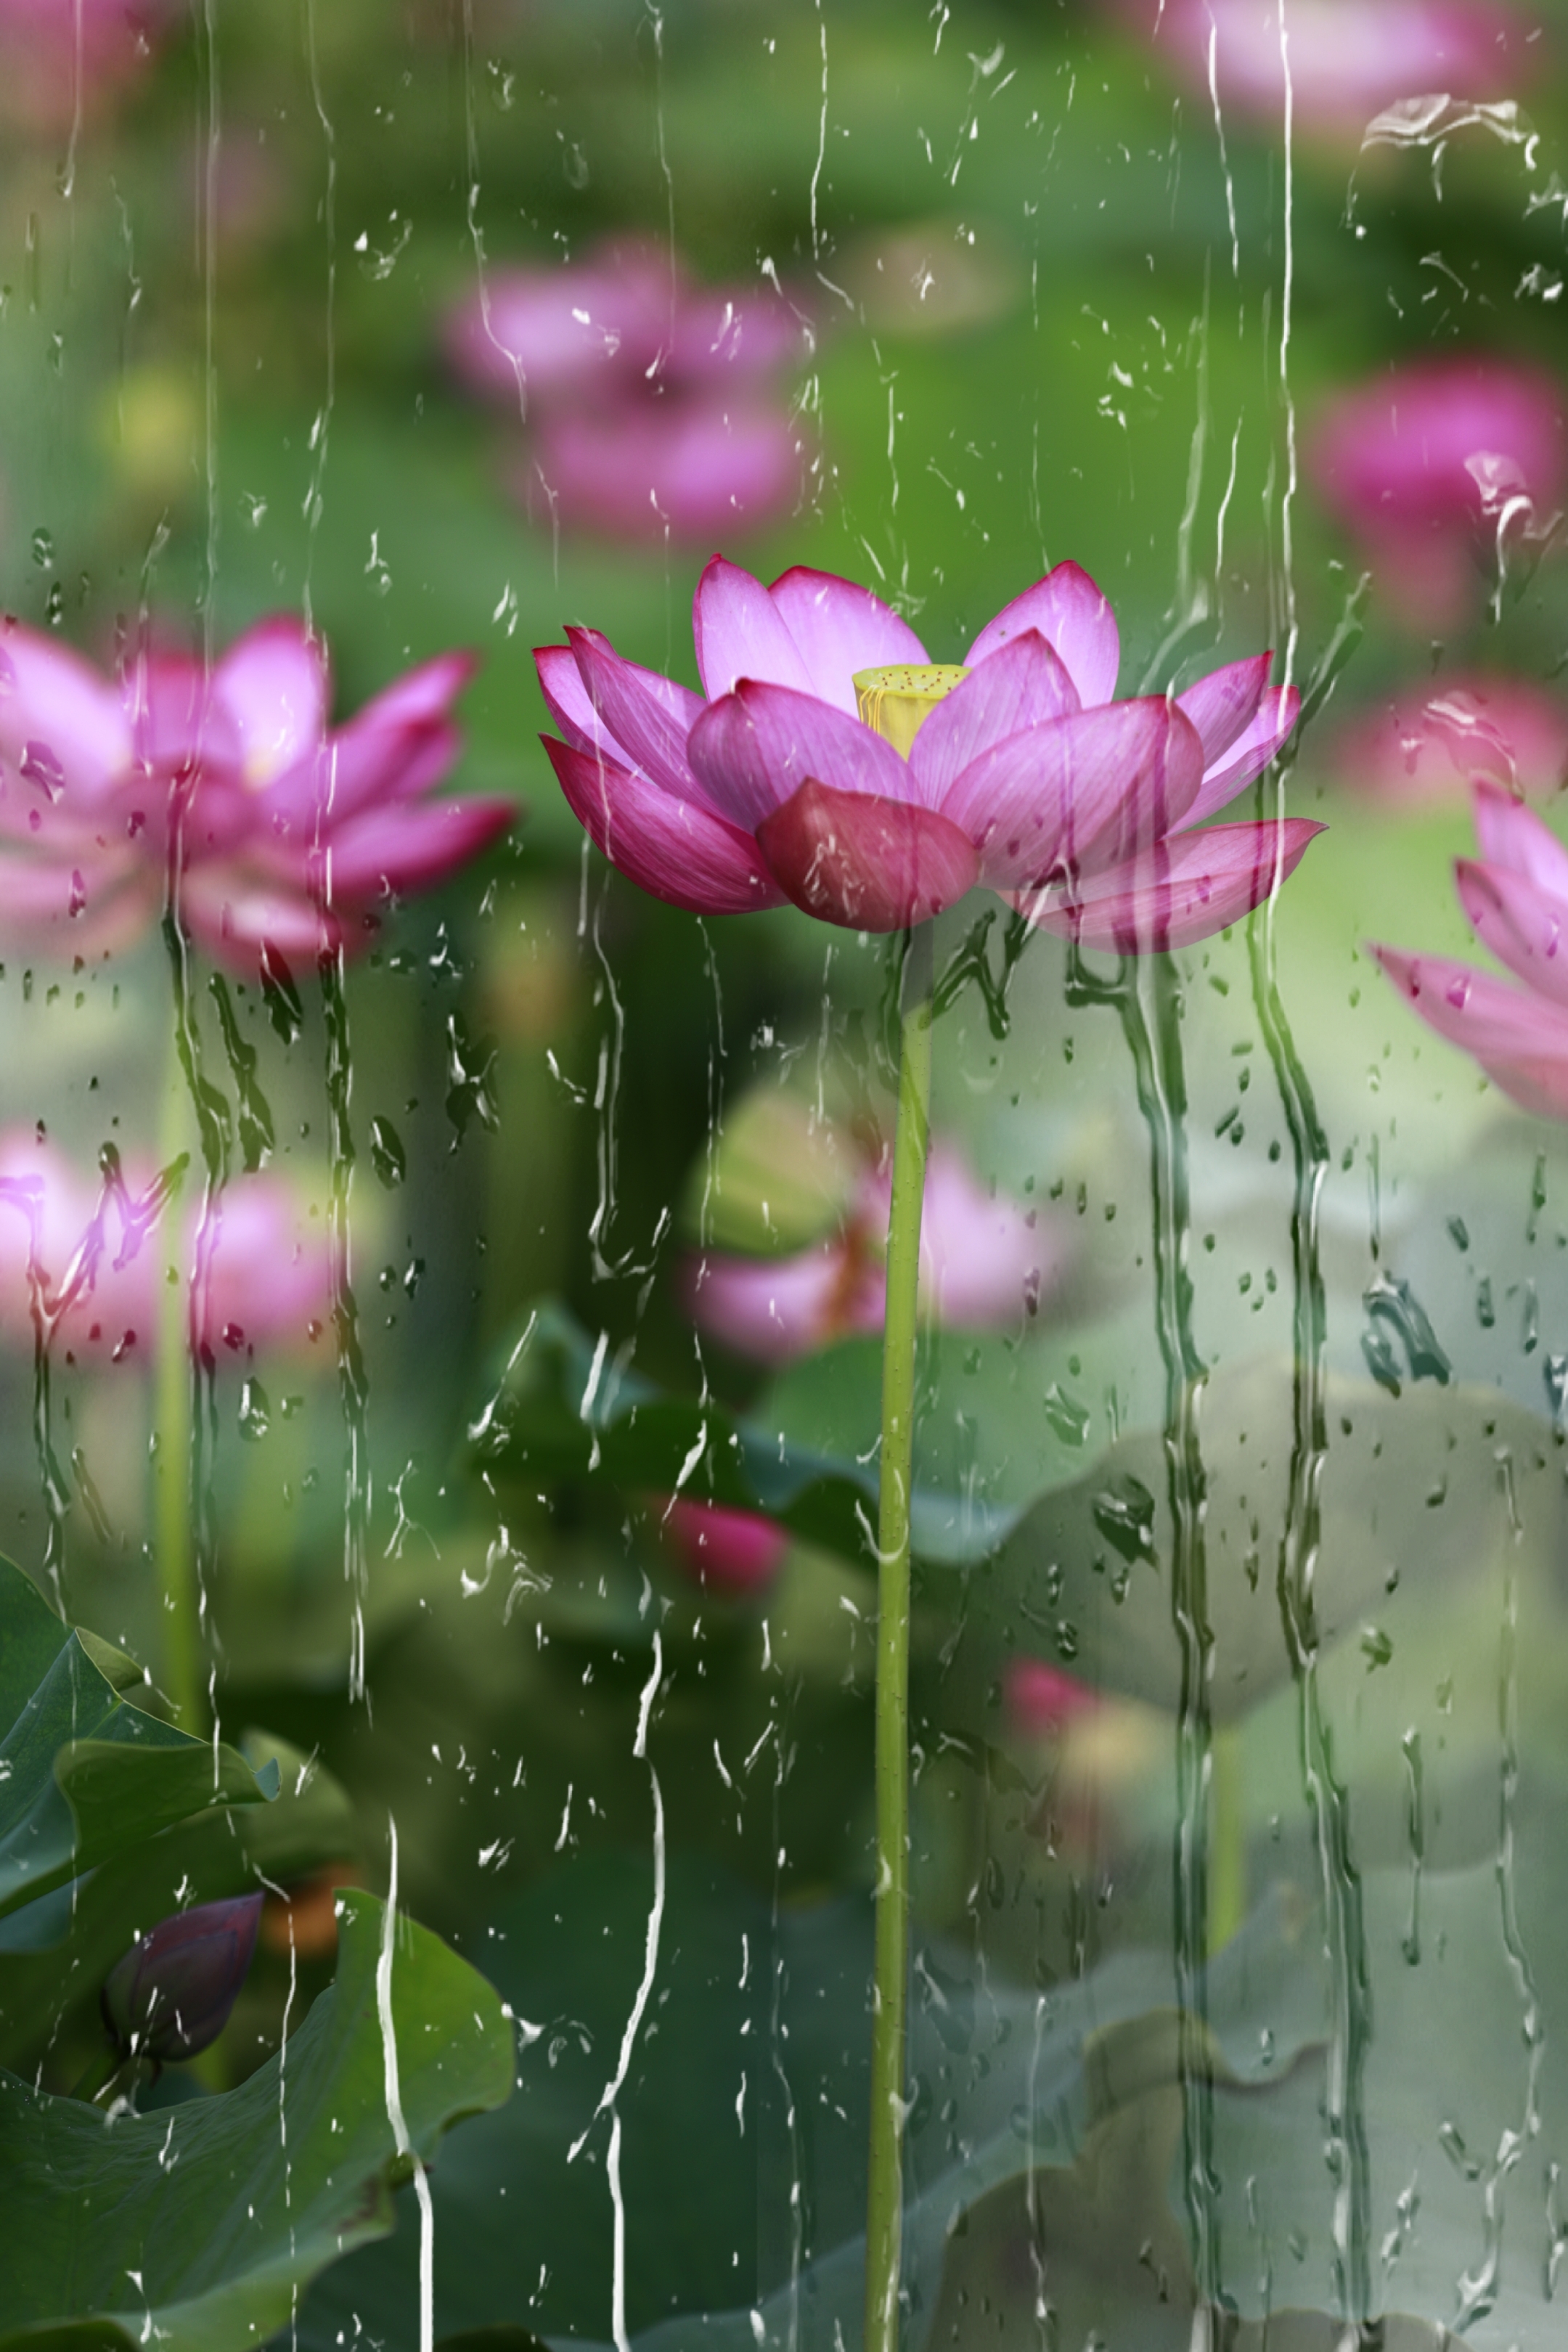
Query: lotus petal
point(869, 863)
point(1521, 1041)
point(839, 627)
point(48, 695)
point(1250, 754)
point(1526, 928)
point(757, 746)
point(649, 716)
point(411, 849)
point(1072, 615)
point(1514, 836)
point(1183, 889)
point(740, 633)
point(1222, 705)
point(272, 684)
point(1023, 685)
point(1077, 791)
point(673, 848)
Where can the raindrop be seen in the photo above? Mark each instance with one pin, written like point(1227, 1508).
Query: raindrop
point(1377, 1646)
point(44, 550)
point(1124, 1513)
point(1069, 1420)
point(387, 1156)
point(1392, 1302)
point(255, 1413)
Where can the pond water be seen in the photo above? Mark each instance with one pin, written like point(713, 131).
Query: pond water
point(445, 1268)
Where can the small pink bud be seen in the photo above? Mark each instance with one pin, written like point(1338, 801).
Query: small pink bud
point(730, 1552)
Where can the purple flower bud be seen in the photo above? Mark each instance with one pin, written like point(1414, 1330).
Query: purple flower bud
point(172, 1993)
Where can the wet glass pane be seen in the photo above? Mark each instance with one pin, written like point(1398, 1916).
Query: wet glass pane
point(783, 1488)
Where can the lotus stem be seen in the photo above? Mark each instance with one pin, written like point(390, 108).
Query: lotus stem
point(884, 2214)
point(174, 1549)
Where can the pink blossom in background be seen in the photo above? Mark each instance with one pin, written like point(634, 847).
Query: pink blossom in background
point(1084, 811)
point(1038, 1700)
point(1430, 746)
point(88, 1240)
point(42, 68)
point(293, 834)
point(727, 1551)
point(1515, 898)
point(101, 1248)
point(1348, 61)
point(652, 406)
point(985, 1264)
point(1438, 467)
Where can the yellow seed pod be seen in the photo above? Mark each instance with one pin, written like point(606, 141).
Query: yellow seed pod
point(897, 702)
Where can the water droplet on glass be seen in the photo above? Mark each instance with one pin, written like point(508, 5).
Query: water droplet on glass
point(387, 1156)
point(255, 1413)
point(44, 550)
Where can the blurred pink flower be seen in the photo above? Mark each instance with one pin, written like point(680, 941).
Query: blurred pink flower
point(1039, 1699)
point(727, 1551)
point(1515, 900)
point(42, 68)
point(293, 836)
point(1439, 468)
point(985, 1263)
point(99, 1266)
point(1347, 62)
point(652, 402)
point(1428, 748)
point(1027, 777)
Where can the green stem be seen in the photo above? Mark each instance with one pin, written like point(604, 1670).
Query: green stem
point(884, 2211)
point(179, 1587)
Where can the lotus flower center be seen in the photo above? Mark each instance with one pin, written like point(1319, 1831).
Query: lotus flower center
point(897, 702)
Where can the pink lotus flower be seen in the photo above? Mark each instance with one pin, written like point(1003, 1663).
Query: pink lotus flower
point(1347, 63)
point(1028, 776)
point(652, 401)
point(1428, 748)
point(731, 1552)
point(98, 1261)
point(292, 838)
point(1516, 899)
point(1039, 1699)
point(985, 1264)
point(1441, 467)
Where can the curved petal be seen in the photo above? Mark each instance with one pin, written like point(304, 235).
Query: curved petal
point(774, 1309)
point(685, 466)
point(1520, 1042)
point(984, 1260)
point(363, 767)
point(672, 848)
point(1071, 613)
point(1512, 836)
point(649, 716)
point(273, 683)
point(1024, 685)
point(422, 696)
point(1185, 889)
point(566, 699)
point(48, 695)
point(1526, 928)
point(1222, 704)
point(758, 746)
point(1250, 754)
point(839, 627)
point(871, 864)
point(1080, 791)
point(740, 633)
point(412, 848)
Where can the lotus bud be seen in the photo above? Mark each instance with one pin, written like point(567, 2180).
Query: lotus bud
point(173, 1992)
